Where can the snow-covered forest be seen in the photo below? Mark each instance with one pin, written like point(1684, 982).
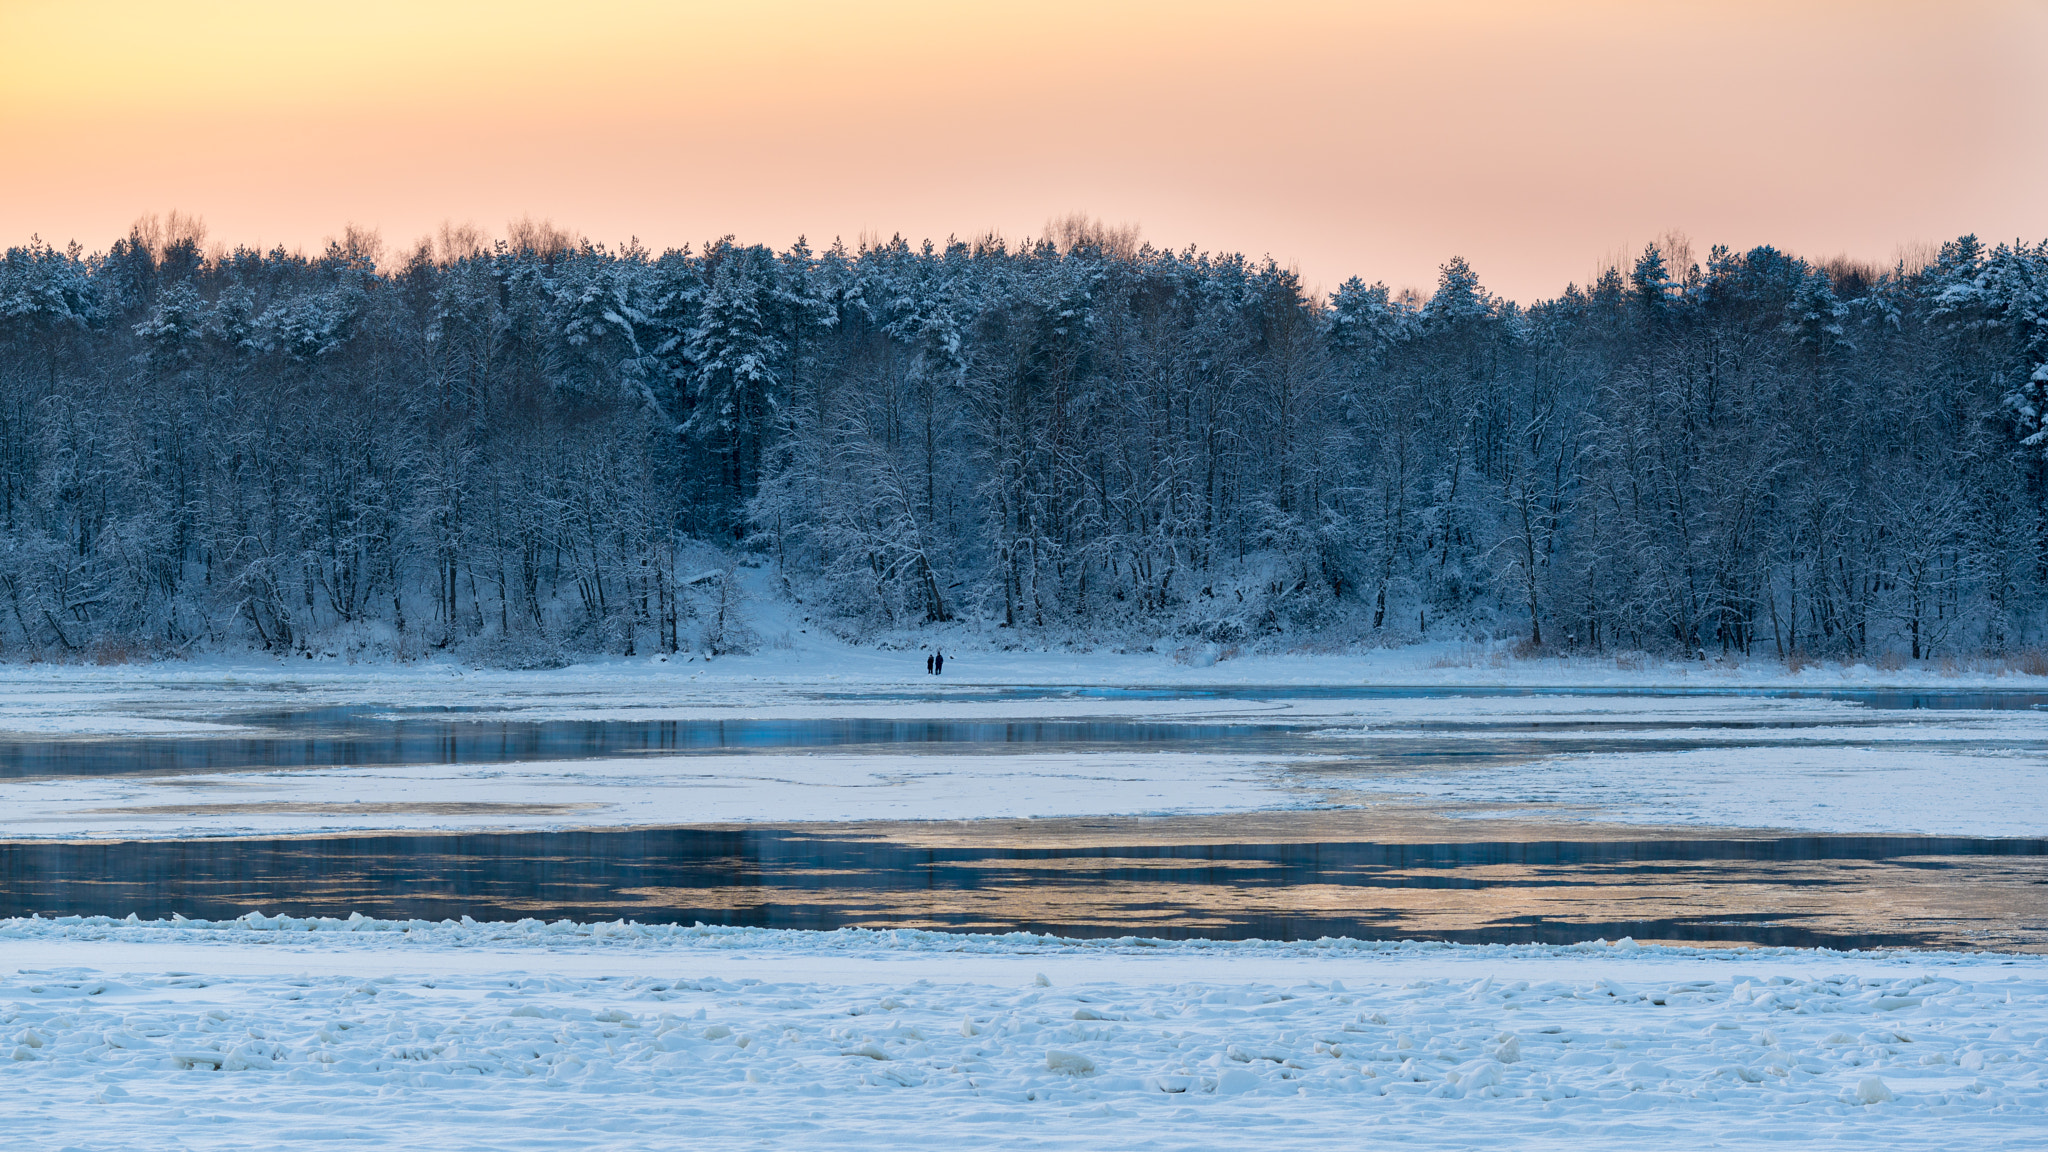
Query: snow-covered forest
point(539, 447)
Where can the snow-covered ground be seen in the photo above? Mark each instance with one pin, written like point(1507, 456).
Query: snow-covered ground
point(289, 1034)
point(47, 698)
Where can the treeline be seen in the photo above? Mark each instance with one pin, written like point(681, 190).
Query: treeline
point(540, 447)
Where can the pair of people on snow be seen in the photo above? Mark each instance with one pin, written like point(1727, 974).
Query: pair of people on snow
point(935, 664)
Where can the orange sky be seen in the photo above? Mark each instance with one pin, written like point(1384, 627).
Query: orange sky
point(1370, 138)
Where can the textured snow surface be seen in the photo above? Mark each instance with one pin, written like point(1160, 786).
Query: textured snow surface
point(287, 1033)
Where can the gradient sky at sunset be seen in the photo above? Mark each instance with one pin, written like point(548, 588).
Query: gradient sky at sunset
point(1370, 138)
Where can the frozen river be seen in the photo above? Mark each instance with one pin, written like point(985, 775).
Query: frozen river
point(1845, 818)
point(1221, 869)
point(1246, 720)
point(367, 755)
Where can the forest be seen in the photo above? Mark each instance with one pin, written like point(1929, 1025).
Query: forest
point(526, 450)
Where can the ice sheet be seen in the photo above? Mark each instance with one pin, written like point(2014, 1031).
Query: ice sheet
point(664, 790)
point(1871, 789)
point(1769, 762)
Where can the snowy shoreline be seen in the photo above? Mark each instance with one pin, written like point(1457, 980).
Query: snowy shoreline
point(333, 935)
point(563, 1035)
point(815, 660)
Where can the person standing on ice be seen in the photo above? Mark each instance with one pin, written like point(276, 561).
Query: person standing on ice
point(939, 662)
point(928, 664)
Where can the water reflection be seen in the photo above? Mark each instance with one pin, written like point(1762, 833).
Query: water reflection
point(1840, 891)
point(1814, 890)
point(362, 736)
point(352, 737)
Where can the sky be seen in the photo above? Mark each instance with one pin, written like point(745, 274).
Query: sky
point(1537, 140)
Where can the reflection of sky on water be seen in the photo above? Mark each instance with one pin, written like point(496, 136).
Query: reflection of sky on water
point(1799, 890)
point(1842, 891)
point(380, 734)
